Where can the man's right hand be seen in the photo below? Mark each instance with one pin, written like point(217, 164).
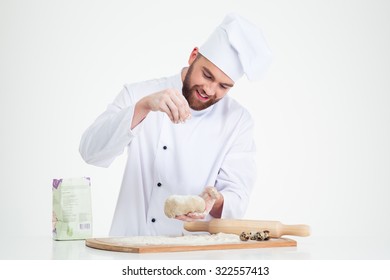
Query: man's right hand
point(169, 101)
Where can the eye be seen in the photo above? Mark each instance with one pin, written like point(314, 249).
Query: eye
point(222, 86)
point(207, 76)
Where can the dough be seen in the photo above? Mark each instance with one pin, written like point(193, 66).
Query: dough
point(177, 205)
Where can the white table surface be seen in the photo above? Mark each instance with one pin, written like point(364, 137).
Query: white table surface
point(313, 247)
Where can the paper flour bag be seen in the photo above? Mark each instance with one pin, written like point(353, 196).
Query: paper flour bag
point(72, 210)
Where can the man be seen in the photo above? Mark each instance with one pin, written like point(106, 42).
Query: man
point(183, 135)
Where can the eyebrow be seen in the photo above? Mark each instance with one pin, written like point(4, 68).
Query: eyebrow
point(212, 76)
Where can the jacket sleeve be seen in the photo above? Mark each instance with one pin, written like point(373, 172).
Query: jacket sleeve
point(237, 174)
point(108, 136)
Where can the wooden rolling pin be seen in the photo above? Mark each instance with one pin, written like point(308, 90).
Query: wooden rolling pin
point(276, 229)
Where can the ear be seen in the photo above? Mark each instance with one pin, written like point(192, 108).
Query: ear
point(193, 55)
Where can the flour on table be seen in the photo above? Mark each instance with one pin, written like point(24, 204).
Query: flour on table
point(201, 239)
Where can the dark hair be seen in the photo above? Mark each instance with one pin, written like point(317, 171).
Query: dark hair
point(198, 56)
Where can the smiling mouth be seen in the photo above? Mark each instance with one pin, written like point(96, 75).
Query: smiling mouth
point(202, 97)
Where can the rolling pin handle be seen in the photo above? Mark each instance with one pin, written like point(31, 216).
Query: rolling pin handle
point(296, 230)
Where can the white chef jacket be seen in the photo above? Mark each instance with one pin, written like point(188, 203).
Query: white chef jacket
point(213, 148)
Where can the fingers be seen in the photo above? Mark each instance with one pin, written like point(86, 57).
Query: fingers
point(179, 107)
point(173, 103)
point(210, 196)
point(184, 218)
point(190, 217)
point(209, 204)
point(174, 110)
point(210, 193)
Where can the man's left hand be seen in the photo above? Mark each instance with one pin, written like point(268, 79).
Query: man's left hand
point(210, 196)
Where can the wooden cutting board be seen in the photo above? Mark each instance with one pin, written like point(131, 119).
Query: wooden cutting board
point(115, 244)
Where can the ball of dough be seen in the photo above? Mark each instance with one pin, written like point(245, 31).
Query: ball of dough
point(177, 205)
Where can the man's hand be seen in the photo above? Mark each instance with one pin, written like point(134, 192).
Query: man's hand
point(169, 101)
point(212, 198)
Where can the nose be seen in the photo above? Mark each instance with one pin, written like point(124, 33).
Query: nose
point(210, 89)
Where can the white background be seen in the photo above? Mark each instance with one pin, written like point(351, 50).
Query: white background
point(322, 113)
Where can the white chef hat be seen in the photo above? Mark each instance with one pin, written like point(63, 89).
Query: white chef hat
point(236, 47)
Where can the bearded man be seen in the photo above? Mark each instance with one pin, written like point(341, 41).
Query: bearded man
point(184, 135)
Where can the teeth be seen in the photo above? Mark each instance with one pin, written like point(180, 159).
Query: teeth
point(204, 96)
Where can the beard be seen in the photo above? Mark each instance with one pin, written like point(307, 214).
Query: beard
point(190, 92)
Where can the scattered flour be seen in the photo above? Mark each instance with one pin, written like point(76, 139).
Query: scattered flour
point(201, 239)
